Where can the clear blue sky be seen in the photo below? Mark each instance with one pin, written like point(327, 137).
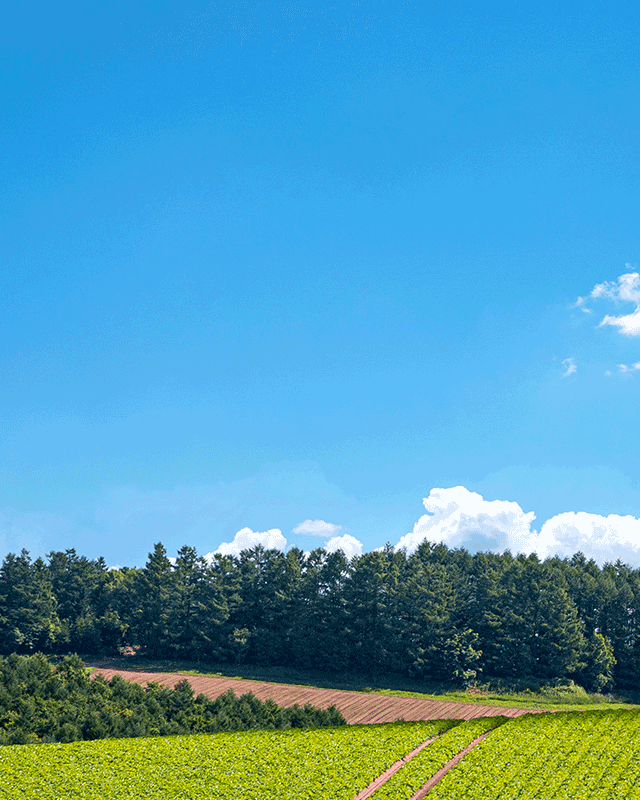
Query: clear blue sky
point(268, 262)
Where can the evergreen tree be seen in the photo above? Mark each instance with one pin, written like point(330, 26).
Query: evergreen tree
point(155, 596)
point(28, 617)
point(198, 609)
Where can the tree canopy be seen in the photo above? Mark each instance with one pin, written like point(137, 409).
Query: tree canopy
point(436, 614)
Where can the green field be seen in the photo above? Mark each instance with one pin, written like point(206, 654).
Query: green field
point(319, 764)
point(564, 756)
point(417, 772)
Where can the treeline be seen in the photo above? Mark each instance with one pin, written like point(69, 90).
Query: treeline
point(40, 702)
point(437, 614)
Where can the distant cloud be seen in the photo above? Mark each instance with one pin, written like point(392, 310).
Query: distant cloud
point(570, 367)
point(246, 539)
point(629, 324)
point(273, 539)
point(600, 538)
point(624, 368)
point(347, 543)
point(317, 527)
point(461, 518)
point(625, 290)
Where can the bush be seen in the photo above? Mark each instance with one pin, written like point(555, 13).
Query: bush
point(40, 702)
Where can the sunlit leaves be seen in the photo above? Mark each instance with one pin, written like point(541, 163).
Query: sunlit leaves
point(417, 772)
point(564, 756)
point(319, 764)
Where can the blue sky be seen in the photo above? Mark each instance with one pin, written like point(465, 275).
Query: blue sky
point(265, 263)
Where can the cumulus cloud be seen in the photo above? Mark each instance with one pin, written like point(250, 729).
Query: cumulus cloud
point(600, 538)
point(460, 518)
point(245, 539)
point(625, 290)
point(348, 544)
point(570, 367)
point(317, 527)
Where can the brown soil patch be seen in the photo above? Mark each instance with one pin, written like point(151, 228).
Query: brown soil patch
point(356, 707)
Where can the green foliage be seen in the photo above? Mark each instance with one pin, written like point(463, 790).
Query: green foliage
point(28, 618)
point(597, 672)
point(320, 764)
point(417, 772)
point(437, 615)
point(590, 754)
point(43, 703)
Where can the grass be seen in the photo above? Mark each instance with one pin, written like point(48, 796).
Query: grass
point(496, 693)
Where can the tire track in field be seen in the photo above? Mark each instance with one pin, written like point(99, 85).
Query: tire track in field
point(356, 707)
point(439, 775)
point(384, 777)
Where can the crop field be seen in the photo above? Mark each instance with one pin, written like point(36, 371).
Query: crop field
point(417, 772)
point(564, 756)
point(319, 764)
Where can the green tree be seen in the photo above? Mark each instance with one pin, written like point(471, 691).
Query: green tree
point(198, 608)
point(371, 597)
point(155, 593)
point(28, 617)
point(81, 587)
point(319, 624)
point(596, 675)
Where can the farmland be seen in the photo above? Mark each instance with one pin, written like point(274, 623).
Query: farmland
point(323, 764)
point(565, 755)
point(592, 754)
point(356, 707)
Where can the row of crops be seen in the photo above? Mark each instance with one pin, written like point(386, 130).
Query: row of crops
point(593, 754)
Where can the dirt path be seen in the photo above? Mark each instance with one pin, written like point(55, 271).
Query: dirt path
point(382, 779)
point(424, 790)
point(356, 707)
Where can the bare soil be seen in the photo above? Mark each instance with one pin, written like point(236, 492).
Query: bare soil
point(356, 707)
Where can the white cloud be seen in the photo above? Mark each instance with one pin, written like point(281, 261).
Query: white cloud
point(347, 543)
point(600, 538)
point(624, 368)
point(580, 303)
point(317, 527)
point(570, 367)
point(625, 290)
point(461, 518)
point(629, 324)
point(245, 539)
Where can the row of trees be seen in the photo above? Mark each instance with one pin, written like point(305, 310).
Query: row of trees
point(43, 703)
point(438, 613)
